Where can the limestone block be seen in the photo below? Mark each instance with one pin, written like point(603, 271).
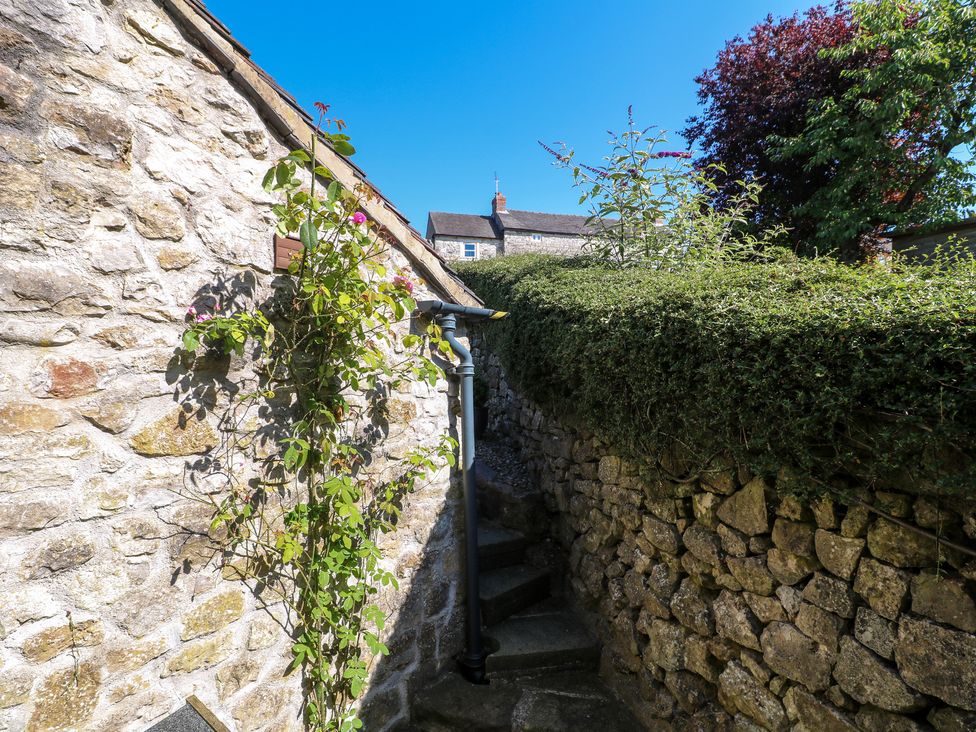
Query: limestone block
point(666, 648)
point(15, 93)
point(831, 594)
point(44, 333)
point(735, 621)
point(869, 680)
point(839, 555)
point(751, 698)
point(662, 535)
point(199, 655)
point(156, 219)
point(21, 187)
point(885, 588)
point(66, 552)
point(746, 509)
point(897, 545)
point(177, 433)
point(103, 136)
point(233, 677)
point(63, 378)
point(49, 643)
point(938, 661)
point(704, 506)
point(820, 625)
point(752, 574)
point(259, 707)
point(132, 657)
point(790, 653)
point(22, 517)
point(944, 600)
point(699, 660)
point(947, 719)
point(15, 687)
point(789, 568)
point(793, 537)
point(704, 544)
point(690, 691)
point(151, 28)
point(171, 258)
point(20, 417)
point(875, 632)
point(824, 512)
point(855, 522)
point(813, 714)
point(213, 614)
point(870, 719)
point(691, 606)
point(766, 609)
point(734, 543)
point(65, 699)
point(113, 413)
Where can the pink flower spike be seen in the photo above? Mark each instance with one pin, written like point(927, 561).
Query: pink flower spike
point(359, 218)
point(204, 317)
point(191, 311)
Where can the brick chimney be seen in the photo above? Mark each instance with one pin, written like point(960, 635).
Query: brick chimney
point(498, 204)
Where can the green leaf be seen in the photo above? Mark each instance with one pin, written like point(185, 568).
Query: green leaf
point(309, 235)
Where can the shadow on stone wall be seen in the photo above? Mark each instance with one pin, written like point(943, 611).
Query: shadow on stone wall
point(424, 628)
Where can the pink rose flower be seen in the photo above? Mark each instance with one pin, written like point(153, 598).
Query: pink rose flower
point(403, 283)
point(359, 218)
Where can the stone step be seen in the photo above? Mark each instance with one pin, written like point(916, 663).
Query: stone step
point(499, 547)
point(574, 701)
point(507, 590)
point(517, 507)
point(542, 640)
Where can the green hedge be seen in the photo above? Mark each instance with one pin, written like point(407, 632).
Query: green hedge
point(831, 369)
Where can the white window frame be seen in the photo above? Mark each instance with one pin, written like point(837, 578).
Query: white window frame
point(464, 250)
point(535, 237)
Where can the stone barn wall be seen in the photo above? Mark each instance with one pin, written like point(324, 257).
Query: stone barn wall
point(723, 606)
point(130, 171)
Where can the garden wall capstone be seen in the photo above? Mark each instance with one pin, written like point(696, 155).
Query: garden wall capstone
point(723, 605)
point(130, 188)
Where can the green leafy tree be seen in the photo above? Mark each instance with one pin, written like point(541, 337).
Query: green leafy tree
point(898, 142)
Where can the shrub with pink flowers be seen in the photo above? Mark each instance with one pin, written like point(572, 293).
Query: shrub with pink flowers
point(326, 355)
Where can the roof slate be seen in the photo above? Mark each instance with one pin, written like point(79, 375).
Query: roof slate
point(451, 224)
point(440, 223)
point(545, 223)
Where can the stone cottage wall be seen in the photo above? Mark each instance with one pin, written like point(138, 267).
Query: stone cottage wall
point(722, 606)
point(130, 174)
point(520, 242)
point(452, 248)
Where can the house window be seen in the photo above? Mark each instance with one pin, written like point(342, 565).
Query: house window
point(470, 250)
point(536, 237)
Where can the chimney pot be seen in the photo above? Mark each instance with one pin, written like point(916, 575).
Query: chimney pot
point(498, 203)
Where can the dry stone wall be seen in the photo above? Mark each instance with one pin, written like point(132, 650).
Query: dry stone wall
point(724, 606)
point(130, 172)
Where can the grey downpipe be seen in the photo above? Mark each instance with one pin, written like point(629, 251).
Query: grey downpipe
point(472, 661)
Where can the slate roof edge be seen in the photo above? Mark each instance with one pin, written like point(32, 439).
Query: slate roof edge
point(282, 112)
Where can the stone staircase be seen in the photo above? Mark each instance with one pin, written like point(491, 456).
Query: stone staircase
point(542, 662)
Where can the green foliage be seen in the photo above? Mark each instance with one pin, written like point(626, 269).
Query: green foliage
point(898, 141)
point(328, 356)
point(831, 369)
point(652, 208)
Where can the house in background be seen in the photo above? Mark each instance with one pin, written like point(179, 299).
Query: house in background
point(921, 246)
point(470, 236)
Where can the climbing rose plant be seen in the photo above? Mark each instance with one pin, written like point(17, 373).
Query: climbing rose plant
point(328, 353)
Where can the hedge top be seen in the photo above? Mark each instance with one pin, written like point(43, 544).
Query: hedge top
point(830, 369)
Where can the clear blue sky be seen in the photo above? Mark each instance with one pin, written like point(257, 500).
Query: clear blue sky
point(440, 95)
